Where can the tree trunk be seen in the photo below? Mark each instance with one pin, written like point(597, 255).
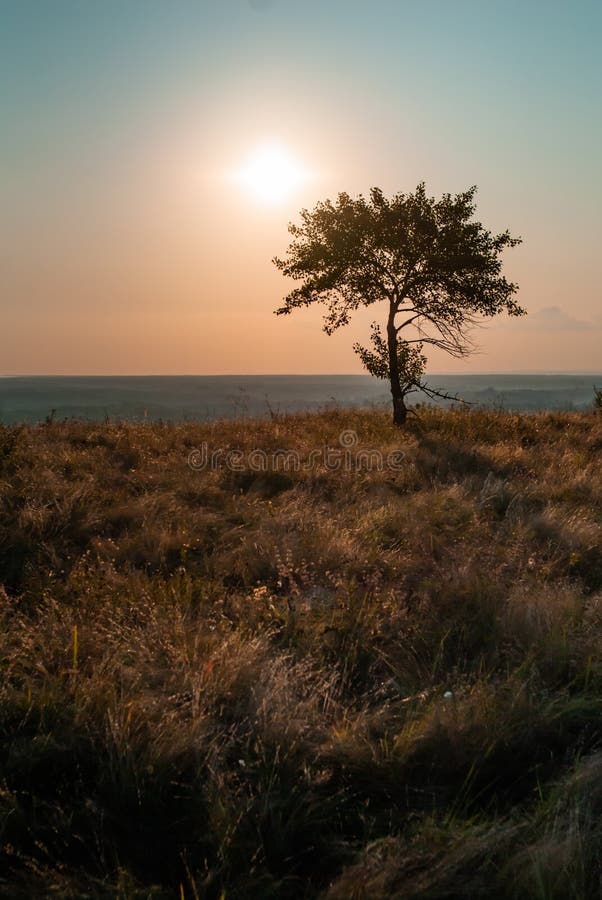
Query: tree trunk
point(400, 410)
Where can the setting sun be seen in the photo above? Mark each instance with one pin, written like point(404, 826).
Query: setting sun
point(271, 173)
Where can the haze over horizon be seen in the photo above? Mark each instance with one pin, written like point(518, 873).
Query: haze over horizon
point(152, 155)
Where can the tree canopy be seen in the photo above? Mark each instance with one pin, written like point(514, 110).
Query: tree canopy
point(436, 269)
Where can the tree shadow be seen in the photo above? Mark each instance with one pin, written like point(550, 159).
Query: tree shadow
point(451, 460)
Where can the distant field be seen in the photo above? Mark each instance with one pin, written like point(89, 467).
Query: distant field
point(205, 397)
point(299, 657)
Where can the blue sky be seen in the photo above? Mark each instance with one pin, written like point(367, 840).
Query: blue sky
point(124, 251)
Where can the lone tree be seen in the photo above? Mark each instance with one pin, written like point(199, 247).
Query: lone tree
point(435, 268)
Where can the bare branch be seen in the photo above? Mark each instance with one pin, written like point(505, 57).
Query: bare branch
point(443, 395)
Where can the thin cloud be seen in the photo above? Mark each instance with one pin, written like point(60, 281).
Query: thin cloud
point(553, 318)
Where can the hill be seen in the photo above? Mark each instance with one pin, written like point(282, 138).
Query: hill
point(330, 660)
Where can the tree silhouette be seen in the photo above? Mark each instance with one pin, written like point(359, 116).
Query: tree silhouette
point(435, 268)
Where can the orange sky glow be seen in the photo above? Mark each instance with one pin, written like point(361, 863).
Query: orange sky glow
point(141, 209)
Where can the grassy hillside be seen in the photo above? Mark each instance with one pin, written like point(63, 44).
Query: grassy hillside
point(314, 683)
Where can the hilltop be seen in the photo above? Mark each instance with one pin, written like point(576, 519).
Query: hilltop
point(361, 662)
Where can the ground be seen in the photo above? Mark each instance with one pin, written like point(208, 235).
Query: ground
point(331, 675)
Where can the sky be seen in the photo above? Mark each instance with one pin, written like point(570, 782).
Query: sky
point(134, 241)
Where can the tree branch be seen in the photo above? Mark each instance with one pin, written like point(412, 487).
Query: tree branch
point(443, 395)
point(407, 321)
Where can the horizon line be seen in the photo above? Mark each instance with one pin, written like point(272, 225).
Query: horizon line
point(490, 372)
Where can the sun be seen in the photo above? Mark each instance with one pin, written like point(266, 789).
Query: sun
point(271, 173)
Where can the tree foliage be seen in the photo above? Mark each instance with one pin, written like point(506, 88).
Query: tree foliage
point(436, 269)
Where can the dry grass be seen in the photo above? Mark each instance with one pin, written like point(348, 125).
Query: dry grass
point(306, 683)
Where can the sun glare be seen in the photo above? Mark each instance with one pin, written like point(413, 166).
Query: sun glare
point(271, 174)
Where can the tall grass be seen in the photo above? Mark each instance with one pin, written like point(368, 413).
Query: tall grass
point(240, 684)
